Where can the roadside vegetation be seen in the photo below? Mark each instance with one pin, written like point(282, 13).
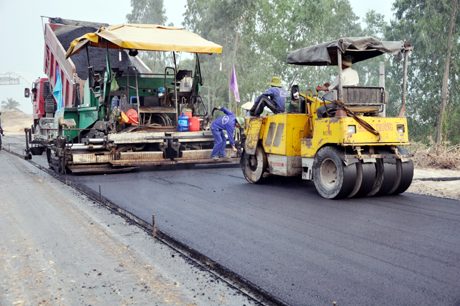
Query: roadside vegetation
point(443, 156)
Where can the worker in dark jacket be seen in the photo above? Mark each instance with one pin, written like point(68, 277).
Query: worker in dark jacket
point(274, 98)
point(228, 123)
point(1, 132)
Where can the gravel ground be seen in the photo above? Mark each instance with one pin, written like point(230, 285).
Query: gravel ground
point(60, 248)
point(441, 183)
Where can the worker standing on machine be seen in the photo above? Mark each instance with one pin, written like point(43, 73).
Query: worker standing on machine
point(1, 131)
point(228, 123)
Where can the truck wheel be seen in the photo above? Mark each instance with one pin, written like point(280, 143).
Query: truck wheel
point(333, 180)
point(405, 172)
point(254, 166)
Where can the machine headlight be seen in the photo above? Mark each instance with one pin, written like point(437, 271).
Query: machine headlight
point(400, 128)
point(352, 129)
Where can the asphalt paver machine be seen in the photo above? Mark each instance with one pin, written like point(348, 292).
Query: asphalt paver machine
point(106, 111)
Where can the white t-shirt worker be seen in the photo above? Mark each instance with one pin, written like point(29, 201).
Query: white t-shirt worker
point(349, 78)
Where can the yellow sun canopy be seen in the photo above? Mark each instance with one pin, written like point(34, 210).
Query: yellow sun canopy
point(146, 37)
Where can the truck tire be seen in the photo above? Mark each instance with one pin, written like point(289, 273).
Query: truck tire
point(254, 166)
point(332, 178)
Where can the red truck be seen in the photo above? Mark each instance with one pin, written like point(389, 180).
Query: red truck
point(58, 33)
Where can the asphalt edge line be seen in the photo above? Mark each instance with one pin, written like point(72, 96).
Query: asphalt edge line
point(234, 280)
point(438, 179)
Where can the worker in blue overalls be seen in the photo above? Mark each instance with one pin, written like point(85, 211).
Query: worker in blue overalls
point(228, 123)
point(1, 131)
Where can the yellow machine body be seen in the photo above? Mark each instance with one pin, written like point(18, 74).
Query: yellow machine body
point(293, 144)
point(283, 134)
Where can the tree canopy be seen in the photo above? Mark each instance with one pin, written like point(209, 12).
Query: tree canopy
point(431, 26)
point(257, 34)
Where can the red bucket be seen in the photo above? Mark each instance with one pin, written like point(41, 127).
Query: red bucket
point(132, 116)
point(194, 124)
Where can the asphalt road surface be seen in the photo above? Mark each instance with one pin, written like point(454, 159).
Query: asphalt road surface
point(302, 249)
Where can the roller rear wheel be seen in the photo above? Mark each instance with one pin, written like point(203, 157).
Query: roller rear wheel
point(358, 181)
point(254, 166)
point(378, 180)
point(405, 174)
point(368, 175)
point(332, 178)
point(390, 177)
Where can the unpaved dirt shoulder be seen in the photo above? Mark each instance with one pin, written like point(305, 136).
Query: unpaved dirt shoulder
point(14, 122)
point(441, 183)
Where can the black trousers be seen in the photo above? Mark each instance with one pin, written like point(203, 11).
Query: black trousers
point(258, 108)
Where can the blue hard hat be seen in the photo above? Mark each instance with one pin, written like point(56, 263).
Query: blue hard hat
point(161, 89)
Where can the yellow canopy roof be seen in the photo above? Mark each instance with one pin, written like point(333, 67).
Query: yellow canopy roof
point(147, 37)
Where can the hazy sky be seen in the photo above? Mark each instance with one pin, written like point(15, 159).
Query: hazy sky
point(22, 30)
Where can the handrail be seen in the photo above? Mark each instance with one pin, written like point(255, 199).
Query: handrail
point(140, 121)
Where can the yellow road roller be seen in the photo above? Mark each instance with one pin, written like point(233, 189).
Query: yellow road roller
point(343, 142)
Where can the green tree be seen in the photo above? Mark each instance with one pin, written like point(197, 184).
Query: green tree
point(10, 104)
point(147, 12)
point(432, 26)
point(232, 24)
point(257, 34)
point(374, 26)
point(150, 12)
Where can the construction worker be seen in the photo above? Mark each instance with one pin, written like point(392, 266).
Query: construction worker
point(34, 94)
point(1, 131)
point(274, 98)
point(349, 78)
point(228, 123)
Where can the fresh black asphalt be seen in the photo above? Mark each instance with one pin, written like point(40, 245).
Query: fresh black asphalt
point(303, 249)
